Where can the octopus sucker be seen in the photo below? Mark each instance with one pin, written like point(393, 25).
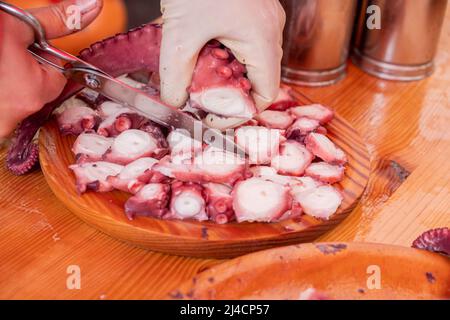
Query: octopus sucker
point(150, 201)
point(27, 160)
point(77, 118)
point(289, 166)
point(219, 85)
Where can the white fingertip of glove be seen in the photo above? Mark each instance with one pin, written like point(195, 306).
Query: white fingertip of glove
point(251, 29)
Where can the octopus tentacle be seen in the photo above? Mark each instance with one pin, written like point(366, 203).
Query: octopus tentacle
point(23, 152)
point(256, 199)
point(138, 51)
point(187, 202)
point(219, 202)
point(150, 201)
point(436, 240)
point(219, 80)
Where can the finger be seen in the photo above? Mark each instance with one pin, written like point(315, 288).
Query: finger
point(263, 63)
point(177, 62)
point(39, 84)
point(63, 18)
point(53, 81)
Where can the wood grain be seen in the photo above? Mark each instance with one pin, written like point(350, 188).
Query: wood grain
point(191, 238)
point(297, 268)
point(404, 125)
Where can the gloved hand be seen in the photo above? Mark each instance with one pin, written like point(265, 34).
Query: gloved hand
point(25, 84)
point(252, 29)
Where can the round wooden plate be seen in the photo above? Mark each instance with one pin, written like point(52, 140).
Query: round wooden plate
point(335, 270)
point(197, 239)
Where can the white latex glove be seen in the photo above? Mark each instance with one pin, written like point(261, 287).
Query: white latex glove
point(252, 29)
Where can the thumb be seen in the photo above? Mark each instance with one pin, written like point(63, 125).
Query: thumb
point(64, 18)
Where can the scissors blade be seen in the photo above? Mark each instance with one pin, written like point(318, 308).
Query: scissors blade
point(154, 109)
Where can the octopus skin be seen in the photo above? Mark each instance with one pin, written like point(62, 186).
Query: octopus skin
point(293, 159)
point(94, 176)
point(435, 240)
point(77, 118)
point(302, 127)
point(219, 202)
point(314, 111)
point(322, 147)
point(325, 172)
point(256, 199)
point(187, 202)
point(128, 53)
point(219, 85)
point(151, 201)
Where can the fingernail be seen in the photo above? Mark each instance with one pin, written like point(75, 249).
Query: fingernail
point(86, 5)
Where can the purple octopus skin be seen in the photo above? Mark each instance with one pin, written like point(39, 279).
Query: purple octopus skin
point(125, 53)
point(435, 240)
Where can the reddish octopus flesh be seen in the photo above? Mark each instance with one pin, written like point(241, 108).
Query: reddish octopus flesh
point(288, 171)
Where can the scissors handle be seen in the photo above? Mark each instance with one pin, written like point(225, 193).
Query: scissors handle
point(39, 32)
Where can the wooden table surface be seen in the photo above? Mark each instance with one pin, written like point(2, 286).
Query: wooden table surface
point(406, 127)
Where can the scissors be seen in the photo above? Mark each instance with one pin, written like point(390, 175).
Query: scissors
point(95, 79)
